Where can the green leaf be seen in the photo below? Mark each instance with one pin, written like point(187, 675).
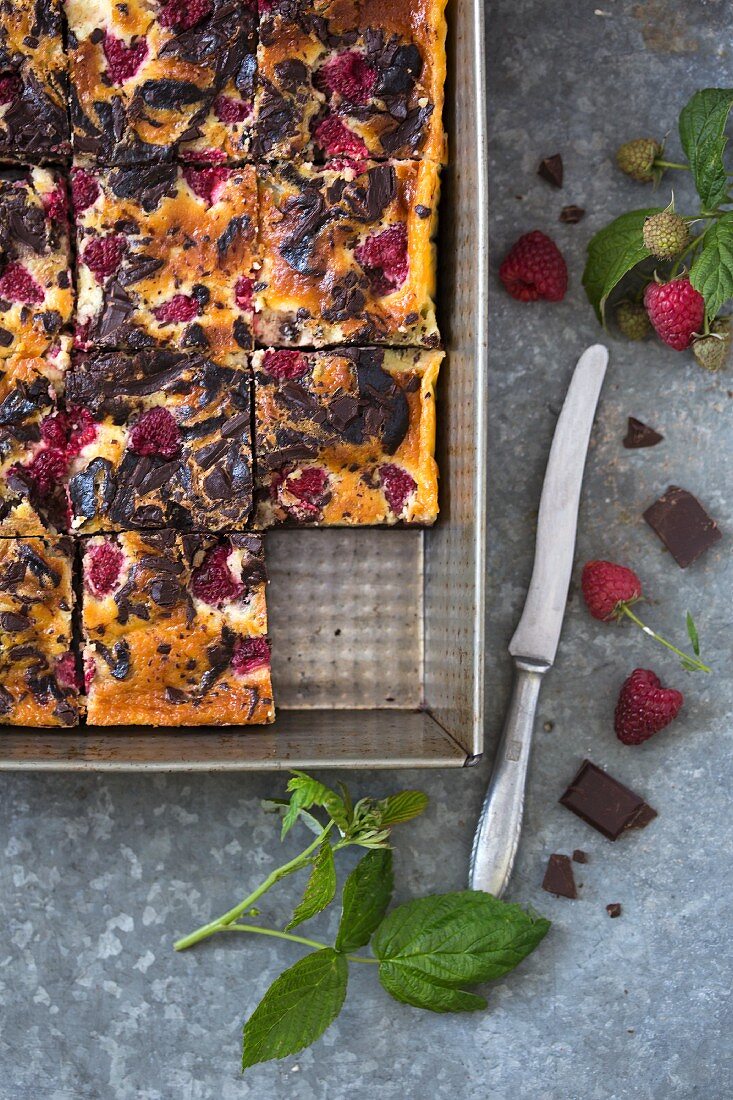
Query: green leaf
point(702, 133)
point(402, 807)
point(320, 888)
point(693, 635)
point(306, 792)
point(366, 895)
point(297, 1008)
point(413, 988)
point(612, 253)
point(712, 270)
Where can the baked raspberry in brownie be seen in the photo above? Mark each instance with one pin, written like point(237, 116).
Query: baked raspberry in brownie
point(175, 630)
point(165, 256)
point(169, 442)
point(347, 256)
point(345, 436)
point(351, 78)
point(34, 124)
point(39, 681)
point(153, 80)
point(36, 292)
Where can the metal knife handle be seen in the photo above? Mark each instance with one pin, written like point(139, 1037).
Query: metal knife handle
point(500, 823)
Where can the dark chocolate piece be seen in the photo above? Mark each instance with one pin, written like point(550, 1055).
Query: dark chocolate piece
point(579, 856)
point(604, 803)
point(559, 877)
point(551, 170)
point(640, 435)
point(683, 525)
point(614, 909)
point(571, 215)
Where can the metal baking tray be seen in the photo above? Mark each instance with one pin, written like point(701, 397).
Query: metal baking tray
point(378, 635)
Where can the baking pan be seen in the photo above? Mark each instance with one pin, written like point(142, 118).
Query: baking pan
point(378, 635)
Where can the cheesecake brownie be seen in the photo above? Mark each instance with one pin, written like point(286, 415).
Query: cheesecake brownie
point(165, 256)
point(154, 80)
point(34, 124)
point(39, 682)
point(351, 78)
point(36, 292)
point(347, 255)
point(170, 442)
point(175, 630)
point(345, 436)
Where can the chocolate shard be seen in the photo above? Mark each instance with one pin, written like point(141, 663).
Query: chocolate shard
point(604, 803)
point(639, 434)
point(571, 215)
point(559, 878)
point(680, 521)
point(551, 170)
point(614, 909)
point(579, 856)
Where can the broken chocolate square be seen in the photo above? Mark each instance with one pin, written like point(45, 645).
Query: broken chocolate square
point(614, 909)
point(604, 803)
point(571, 215)
point(559, 878)
point(640, 434)
point(683, 525)
point(579, 856)
point(551, 170)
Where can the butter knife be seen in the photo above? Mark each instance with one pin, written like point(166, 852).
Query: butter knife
point(534, 644)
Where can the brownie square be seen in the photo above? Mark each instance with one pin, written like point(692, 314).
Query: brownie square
point(39, 684)
point(165, 256)
point(34, 124)
point(347, 255)
point(175, 630)
point(169, 442)
point(36, 290)
point(351, 78)
point(345, 437)
point(154, 80)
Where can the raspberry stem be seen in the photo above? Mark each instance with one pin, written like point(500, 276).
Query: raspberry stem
point(691, 664)
point(671, 164)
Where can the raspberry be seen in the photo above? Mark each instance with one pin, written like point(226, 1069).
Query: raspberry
point(123, 61)
point(55, 203)
point(90, 671)
point(82, 429)
point(397, 486)
point(55, 431)
point(712, 351)
point(213, 581)
point(103, 563)
point(534, 268)
point(636, 159)
point(308, 485)
point(184, 14)
point(155, 433)
point(103, 255)
point(46, 470)
point(84, 190)
point(644, 707)
point(633, 320)
point(66, 674)
point(231, 110)
point(349, 74)
point(666, 234)
point(606, 585)
point(18, 285)
point(676, 310)
point(207, 183)
point(178, 308)
point(203, 156)
point(384, 258)
point(249, 654)
point(285, 365)
point(243, 292)
point(81, 335)
point(9, 89)
point(337, 140)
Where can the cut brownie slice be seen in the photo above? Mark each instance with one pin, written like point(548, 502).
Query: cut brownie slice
point(39, 685)
point(354, 78)
point(34, 124)
point(347, 256)
point(175, 630)
point(345, 436)
point(170, 444)
point(153, 80)
point(36, 292)
point(165, 256)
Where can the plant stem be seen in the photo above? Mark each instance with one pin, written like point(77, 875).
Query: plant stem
point(295, 939)
point(209, 929)
point(671, 164)
point(699, 666)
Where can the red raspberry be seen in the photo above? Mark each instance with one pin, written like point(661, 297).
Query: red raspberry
point(384, 258)
point(18, 285)
point(243, 292)
point(534, 268)
point(55, 431)
point(285, 365)
point(123, 61)
point(84, 190)
point(349, 74)
point(103, 255)
point(66, 674)
point(104, 562)
point(308, 485)
point(207, 183)
point(81, 335)
point(155, 433)
point(397, 485)
point(82, 429)
point(183, 14)
point(249, 654)
point(178, 308)
point(90, 671)
point(231, 110)
point(644, 707)
point(337, 140)
point(213, 581)
point(676, 310)
point(9, 89)
point(606, 585)
point(46, 470)
point(55, 203)
point(203, 156)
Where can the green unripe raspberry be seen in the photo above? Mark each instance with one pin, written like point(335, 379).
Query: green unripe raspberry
point(636, 159)
point(633, 320)
point(666, 234)
point(712, 351)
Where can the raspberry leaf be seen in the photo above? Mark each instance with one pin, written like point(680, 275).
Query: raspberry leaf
point(401, 807)
point(306, 792)
point(411, 987)
point(712, 271)
point(612, 253)
point(367, 893)
point(320, 888)
point(702, 133)
point(693, 635)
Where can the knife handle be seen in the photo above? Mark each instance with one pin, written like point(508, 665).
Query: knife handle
point(500, 823)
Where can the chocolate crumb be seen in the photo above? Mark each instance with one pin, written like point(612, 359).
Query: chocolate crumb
point(579, 856)
point(639, 434)
point(614, 909)
point(551, 170)
point(571, 215)
point(559, 878)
